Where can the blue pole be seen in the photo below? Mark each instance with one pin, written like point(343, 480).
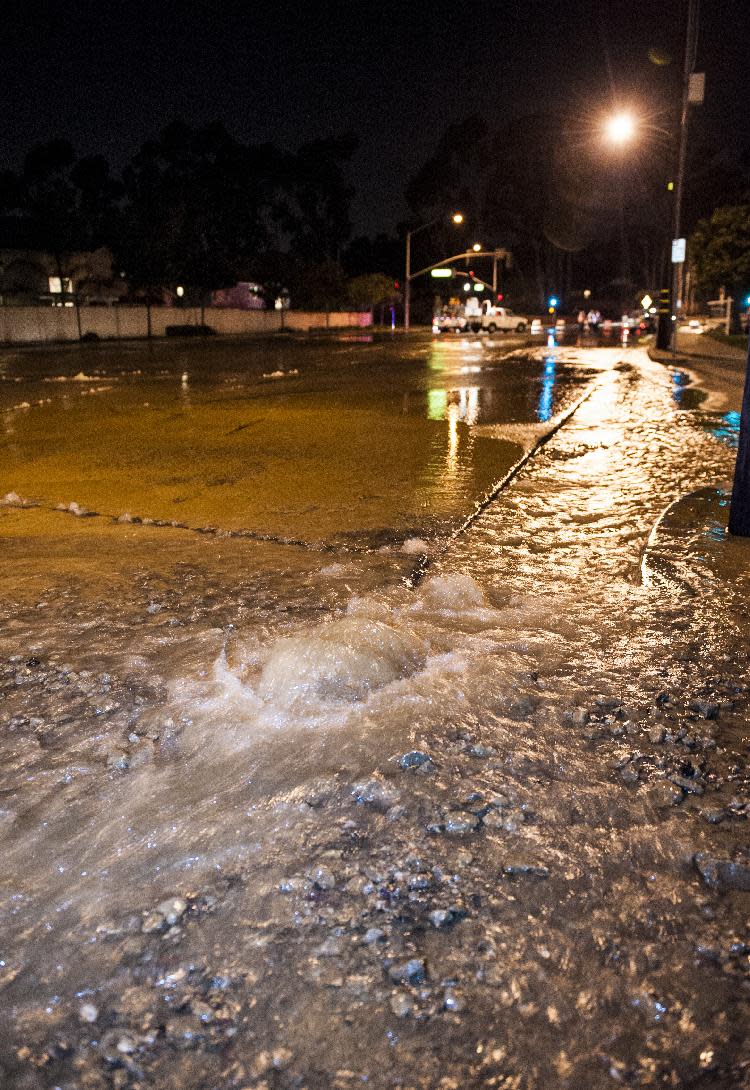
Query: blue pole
point(739, 512)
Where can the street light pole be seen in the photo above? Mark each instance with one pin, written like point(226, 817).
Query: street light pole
point(457, 218)
point(407, 283)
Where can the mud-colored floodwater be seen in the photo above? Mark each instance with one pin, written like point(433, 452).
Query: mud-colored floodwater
point(274, 813)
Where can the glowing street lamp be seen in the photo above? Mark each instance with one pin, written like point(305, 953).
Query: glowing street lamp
point(619, 129)
point(457, 218)
point(477, 247)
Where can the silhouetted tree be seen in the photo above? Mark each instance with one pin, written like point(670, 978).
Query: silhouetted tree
point(47, 200)
point(544, 187)
point(319, 286)
point(373, 291)
point(384, 253)
point(316, 199)
point(720, 250)
point(199, 209)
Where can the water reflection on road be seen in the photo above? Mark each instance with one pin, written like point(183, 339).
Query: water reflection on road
point(300, 440)
point(257, 793)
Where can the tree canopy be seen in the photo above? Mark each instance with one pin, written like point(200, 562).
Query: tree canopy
point(720, 249)
point(573, 213)
point(194, 207)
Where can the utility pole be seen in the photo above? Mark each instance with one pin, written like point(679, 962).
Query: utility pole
point(407, 283)
point(692, 93)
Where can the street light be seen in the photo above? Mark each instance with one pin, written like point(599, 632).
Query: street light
point(620, 131)
point(477, 247)
point(457, 218)
point(620, 128)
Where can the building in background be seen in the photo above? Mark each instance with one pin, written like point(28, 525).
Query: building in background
point(37, 277)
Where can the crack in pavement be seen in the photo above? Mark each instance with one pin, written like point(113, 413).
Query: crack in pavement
point(74, 509)
point(424, 563)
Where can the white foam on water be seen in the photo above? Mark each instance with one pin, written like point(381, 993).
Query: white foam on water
point(337, 570)
point(344, 661)
point(456, 593)
point(415, 546)
point(359, 681)
point(73, 508)
point(12, 499)
point(322, 675)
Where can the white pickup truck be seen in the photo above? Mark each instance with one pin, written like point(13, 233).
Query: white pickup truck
point(479, 317)
point(488, 318)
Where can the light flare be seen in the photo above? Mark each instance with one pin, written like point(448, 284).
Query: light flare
point(620, 128)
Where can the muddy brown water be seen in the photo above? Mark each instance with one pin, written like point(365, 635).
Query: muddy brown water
point(212, 665)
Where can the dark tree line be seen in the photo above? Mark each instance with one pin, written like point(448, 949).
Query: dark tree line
point(194, 207)
point(198, 208)
point(574, 213)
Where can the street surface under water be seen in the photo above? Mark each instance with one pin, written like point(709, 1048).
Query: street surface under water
point(312, 733)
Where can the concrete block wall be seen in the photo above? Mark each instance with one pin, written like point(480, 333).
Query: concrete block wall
point(51, 325)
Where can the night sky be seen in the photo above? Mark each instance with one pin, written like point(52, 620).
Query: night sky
point(109, 75)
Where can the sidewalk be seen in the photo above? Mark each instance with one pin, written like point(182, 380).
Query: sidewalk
point(718, 367)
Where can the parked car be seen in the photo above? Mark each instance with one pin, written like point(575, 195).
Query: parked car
point(451, 319)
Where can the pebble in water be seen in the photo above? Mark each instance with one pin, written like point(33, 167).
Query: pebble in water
point(415, 759)
point(401, 1005)
point(665, 794)
point(413, 972)
point(723, 874)
point(375, 793)
point(322, 877)
point(460, 826)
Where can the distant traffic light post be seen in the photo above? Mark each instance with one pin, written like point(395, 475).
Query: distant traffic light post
point(457, 218)
point(443, 270)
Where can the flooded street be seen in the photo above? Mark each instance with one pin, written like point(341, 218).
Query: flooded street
point(374, 713)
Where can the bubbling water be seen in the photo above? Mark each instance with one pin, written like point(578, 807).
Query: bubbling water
point(374, 653)
point(344, 660)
